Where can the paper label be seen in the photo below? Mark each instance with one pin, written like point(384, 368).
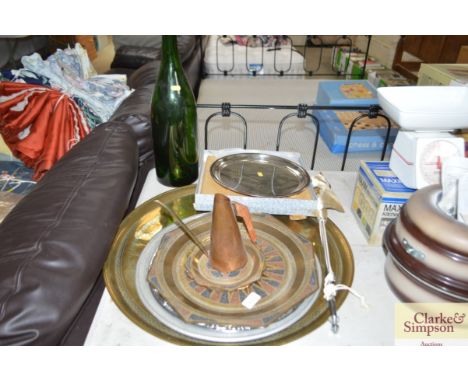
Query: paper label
point(352, 91)
point(251, 300)
point(453, 168)
point(463, 199)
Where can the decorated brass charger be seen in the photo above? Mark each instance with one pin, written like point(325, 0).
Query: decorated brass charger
point(260, 174)
point(136, 231)
point(192, 297)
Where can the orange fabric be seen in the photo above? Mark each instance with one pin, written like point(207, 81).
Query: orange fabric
point(39, 124)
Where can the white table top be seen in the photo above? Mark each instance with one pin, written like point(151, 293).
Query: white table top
point(358, 325)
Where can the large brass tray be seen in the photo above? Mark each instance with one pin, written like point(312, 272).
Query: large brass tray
point(140, 226)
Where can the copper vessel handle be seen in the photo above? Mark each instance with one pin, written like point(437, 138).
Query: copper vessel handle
point(243, 212)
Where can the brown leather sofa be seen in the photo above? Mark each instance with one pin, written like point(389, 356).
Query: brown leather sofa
point(55, 241)
point(139, 57)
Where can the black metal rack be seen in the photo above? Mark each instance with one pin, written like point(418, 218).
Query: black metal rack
point(312, 42)
point(301, 111)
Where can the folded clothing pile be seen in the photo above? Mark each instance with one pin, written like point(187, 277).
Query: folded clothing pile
point(50, 105)
point(39, 124)
point(71, 72)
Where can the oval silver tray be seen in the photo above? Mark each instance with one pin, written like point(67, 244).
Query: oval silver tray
point(259, 174)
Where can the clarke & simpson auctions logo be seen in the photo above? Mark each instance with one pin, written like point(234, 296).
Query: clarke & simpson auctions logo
point(429, 324)
point(441, 323)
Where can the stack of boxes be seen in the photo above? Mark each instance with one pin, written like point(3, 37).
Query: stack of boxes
point(341, 57)
point(351, 63)
point(443, 74)
point(378, 198)
point(369, 135)
point(356, 66)
point(385, 77)
point(378, 194)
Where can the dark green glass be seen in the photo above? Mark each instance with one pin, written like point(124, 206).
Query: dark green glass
point(174, 121)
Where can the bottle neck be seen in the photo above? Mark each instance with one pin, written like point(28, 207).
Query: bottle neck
point(169, 50)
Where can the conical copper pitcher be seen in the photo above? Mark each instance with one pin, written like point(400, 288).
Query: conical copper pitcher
point(227, 252)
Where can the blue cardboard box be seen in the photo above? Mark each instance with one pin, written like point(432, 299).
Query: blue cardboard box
point(378, 198)
point(332, 93)
point(365, 136)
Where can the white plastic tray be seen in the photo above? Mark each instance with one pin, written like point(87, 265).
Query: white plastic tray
point(426, 108)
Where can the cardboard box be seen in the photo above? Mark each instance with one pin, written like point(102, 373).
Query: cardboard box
point(4, 149)
point(337, 55)
point(352, 62)
point(378, 198)
point(443, 74)
point(368, 134)
point(87, 42)
point(62, 42)
point(385, 77)
point(333, 129)
point(334, 93)
point(302, 203)
point(356, 66)
point(341, 57)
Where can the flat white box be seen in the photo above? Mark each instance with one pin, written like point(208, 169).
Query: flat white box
point(426, 108)
point(274, 206)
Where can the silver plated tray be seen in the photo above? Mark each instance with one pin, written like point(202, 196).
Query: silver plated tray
point(258, 174)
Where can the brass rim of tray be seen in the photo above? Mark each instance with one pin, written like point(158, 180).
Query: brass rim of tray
point(146, 220)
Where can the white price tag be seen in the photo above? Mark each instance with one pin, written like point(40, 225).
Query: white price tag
point(251, 300)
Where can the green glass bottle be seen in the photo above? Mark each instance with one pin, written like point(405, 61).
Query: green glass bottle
point(174, 121)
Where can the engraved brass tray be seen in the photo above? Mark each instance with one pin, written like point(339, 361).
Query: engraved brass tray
point(186, 294)
point(140, 226)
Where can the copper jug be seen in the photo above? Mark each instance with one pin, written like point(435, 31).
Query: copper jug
point(227, 252)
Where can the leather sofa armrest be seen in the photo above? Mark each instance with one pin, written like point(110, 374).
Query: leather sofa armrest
point(191, 58)
point(55, 241)
point(135, 51)
point(135, 110)
point(133, 57)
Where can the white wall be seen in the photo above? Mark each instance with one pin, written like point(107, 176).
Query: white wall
point(382, 48)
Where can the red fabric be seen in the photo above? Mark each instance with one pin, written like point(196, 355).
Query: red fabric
point(39, 124)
